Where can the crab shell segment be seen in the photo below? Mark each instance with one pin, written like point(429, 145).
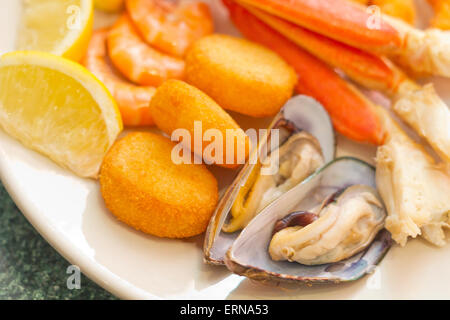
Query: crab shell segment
point(337, 19)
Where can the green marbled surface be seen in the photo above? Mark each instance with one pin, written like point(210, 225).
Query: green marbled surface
point(29, 267)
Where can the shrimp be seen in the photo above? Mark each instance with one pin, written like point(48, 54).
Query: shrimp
point(170, 26)
point(136, 60)
point(133, 100)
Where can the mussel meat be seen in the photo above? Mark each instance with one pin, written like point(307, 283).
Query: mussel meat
point(297, 158)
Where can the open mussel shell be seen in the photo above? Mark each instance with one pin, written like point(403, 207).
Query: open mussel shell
point(248, 256)
point(300, 113)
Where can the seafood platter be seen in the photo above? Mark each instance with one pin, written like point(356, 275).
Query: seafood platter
point(233, 149)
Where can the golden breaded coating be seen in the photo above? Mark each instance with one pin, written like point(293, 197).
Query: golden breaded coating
point(240, 75)
point(178, 105)
point(143, 188)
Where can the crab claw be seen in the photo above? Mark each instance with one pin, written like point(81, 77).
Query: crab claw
point(422, 51)
point(419, 106)
point(338, 19)
point(352, 114)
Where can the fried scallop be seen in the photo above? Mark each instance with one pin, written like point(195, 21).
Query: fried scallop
point(240, 75)
point(178, 108)
point(145, 189)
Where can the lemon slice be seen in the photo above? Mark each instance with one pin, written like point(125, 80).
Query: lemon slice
point(57, 107)
point(61, 27)
point(109, 5)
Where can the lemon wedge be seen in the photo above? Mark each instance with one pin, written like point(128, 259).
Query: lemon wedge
point(58, 108)
point(61, 27)
point(109, 5)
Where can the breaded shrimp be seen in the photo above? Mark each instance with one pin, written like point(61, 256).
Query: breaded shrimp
point(240, 75)
point(138, 61)
point(133, 101)
point(178, 105)
point(441, 18)
point(143, 188)
point(171, 26)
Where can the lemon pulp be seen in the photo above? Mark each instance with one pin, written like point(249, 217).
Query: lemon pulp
point(46, 104)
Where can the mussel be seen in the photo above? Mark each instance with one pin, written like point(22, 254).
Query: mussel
point(304, 143)
point(297, 158)
point(329, 228)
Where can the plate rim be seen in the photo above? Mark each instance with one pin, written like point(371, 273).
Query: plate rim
point(103, 277)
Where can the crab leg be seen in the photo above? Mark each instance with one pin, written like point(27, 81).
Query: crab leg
point(367, 69)
point(341, 20)
point(425, 52)
point(352, 114)
point(419, 106)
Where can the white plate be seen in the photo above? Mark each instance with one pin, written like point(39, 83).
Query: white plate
point(70, 214)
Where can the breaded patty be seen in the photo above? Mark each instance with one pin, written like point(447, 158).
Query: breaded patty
point(143, 188)
point(240, 75)
point(178, 105)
